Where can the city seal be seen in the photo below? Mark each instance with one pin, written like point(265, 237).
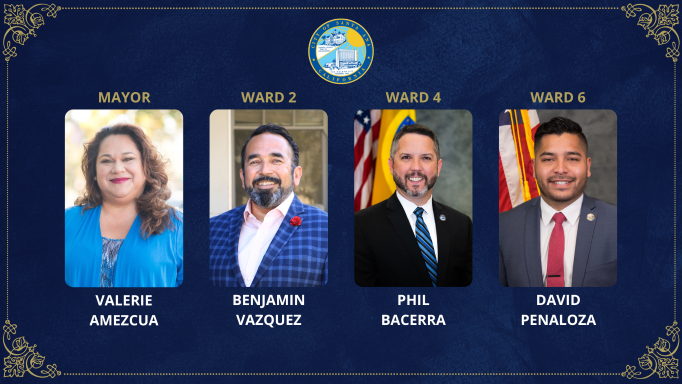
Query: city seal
point(341, 51)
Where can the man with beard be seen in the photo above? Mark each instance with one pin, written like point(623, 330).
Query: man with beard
point(409, 240)
point(563, 238)
point(274, 240)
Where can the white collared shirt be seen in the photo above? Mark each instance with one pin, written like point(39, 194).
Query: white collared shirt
point(255, 237)
point(430, 221)
point(570, 225)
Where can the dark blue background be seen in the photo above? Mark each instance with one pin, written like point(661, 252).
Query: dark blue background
point(484, 61)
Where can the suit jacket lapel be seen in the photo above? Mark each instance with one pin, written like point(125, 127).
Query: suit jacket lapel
point(584, 240)
point(284, 233)
point(233, 245)
point(443, 243)
point(532, 244)
point(403, 229)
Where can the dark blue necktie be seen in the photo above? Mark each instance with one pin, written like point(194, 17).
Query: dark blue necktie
point(426, 246)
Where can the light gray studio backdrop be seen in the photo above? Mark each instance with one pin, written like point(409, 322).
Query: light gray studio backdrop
point(599, 127)
point(453, 129)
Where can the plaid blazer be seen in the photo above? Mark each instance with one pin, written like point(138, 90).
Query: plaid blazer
point(296, 257)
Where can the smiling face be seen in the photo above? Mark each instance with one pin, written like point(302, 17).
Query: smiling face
point(415, 167)
point(268, 175)
point(120, 174)
point(561, 169)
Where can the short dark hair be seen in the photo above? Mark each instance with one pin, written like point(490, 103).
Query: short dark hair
point(420, 130)
point(276, 130)
point(559, 126)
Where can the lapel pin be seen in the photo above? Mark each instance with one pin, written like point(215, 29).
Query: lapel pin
point(295, 221)
point(442, 217)
point(590, 217)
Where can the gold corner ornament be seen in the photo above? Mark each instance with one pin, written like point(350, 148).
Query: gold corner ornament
point(658, 359)
point(23, 358)
point(659, 24)
point(23, 23)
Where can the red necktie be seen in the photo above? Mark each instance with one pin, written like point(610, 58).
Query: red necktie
point(555, 255)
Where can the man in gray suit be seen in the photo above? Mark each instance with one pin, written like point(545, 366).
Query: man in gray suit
point(563, 238)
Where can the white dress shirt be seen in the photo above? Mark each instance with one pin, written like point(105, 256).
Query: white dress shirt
point(255, 237)
point(570, 225)
point(430, 221)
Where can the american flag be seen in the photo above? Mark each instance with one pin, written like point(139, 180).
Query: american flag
point(367, 123)
point(517, 142)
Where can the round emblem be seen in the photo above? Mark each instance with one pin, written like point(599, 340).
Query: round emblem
point(341, 51)
point(442, 217)
point(590, 217)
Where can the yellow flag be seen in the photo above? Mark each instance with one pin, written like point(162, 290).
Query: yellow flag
point(392, 120)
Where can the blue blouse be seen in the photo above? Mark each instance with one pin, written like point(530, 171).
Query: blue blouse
point(154, 262)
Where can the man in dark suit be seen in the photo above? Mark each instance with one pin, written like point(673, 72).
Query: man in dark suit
point(409, 240)
point(563, 238)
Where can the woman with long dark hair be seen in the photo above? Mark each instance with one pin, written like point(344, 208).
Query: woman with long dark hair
point(121, 233)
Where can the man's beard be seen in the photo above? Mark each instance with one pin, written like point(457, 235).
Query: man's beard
point(402, 183)
point(268, 198)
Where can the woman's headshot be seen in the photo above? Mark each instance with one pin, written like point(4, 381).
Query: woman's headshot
point(121, 230)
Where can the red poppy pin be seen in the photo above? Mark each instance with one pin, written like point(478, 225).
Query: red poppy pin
point(295, 221)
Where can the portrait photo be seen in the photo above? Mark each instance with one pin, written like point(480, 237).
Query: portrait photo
point(268, 198)
point(413, 198)
point(123, 189)
point(558, 198)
